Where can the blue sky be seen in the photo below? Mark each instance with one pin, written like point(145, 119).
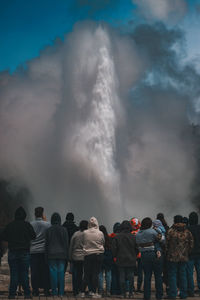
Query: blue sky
point(26, 27)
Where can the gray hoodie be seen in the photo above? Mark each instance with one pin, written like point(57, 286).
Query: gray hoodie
point(76, 246)
point(93, 238)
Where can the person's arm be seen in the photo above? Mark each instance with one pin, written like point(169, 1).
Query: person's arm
point(114, 247)
point(31, 231)
point(190, 241)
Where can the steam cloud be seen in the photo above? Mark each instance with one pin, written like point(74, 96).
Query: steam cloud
point(161, 10)
point(100, 124)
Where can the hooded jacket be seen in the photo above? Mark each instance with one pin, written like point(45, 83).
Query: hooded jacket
point(179, 243)
point(194, 228)
point(93, 238)
point(124, 246)
point(19, 233)
point(56, 240)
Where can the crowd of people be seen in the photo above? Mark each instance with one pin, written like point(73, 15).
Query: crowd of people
point(135, 250)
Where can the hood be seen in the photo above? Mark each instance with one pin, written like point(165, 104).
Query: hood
point(193, 218)
point(125, 226)
point(93, 223)
point(55, 219)
point(179, 226)
point(158, 225)
point(20, 214)
point(116, 227)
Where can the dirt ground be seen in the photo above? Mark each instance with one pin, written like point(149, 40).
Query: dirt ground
point(4, 283)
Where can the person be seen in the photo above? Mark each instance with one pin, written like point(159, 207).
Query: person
point(106, 265)
point(70, 225)
point(161, 217)
point(56, 250)
point(179, 243)
point(147, 240)
point(93, 246)
point(76, 256)
point(39, 267)
point(194, 255)
point(115, 286)
point(19, 234)
point(158, 226)
point(136, 224)
point(125, 250)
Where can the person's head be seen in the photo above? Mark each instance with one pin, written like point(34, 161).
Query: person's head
point(93, 223)
point(116, 227)
point(157, 223)
point(135, 223)
point(39, 212)
point(161, 217)
point(185, 221)
point(178, 219)
point(125, 226)
point(55, 219)
point(83, 225)
point(146, 223)
point(103, 229)
point(20, 214)
point(70, 216)
point(193, 218)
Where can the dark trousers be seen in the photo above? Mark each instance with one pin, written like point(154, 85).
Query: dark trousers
point(19, 262)
point(92, 268)
point(115, 286)
point(77, 276)
point(126, 276)
point(139, 273)
point(151, 265)
point(39, 273)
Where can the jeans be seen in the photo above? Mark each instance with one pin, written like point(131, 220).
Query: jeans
point(57, 276)
point(126, 274)
point(107, 278)
point(190, 270)
point(177, 271)
point(77, 275)
point(19, 262)
point(39, 273)
point(151, 264)
point(92, 268)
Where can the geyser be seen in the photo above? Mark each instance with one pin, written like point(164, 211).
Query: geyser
point(86, 130)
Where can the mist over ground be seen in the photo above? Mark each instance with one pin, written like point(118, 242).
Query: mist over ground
point(101, 124)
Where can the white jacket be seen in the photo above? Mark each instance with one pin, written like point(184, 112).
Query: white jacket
point(93, 238)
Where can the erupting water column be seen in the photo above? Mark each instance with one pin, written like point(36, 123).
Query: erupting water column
point(96, 138)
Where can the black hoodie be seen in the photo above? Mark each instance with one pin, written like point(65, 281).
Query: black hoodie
point(124, 246)
point(19, 233)
point(194, 228)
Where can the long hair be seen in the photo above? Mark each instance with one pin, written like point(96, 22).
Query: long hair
point(106, 236)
